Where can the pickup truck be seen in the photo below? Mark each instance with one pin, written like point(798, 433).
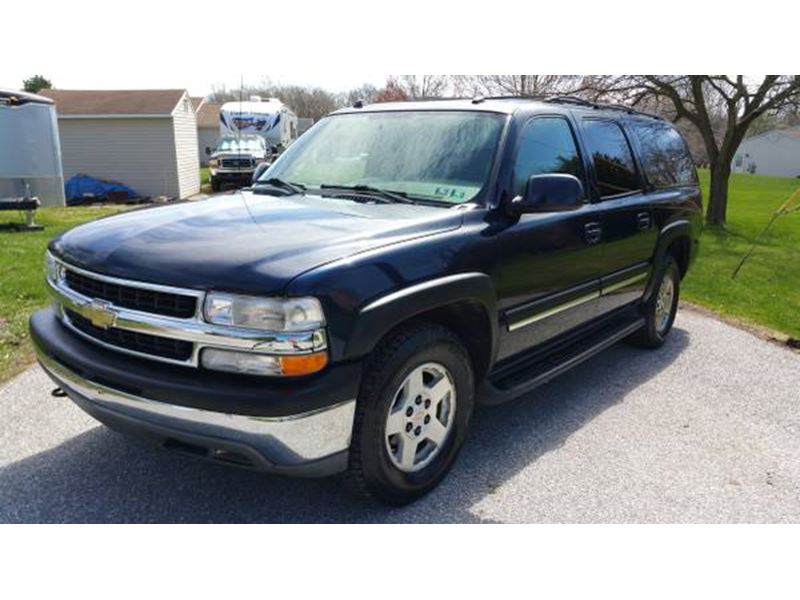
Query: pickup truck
point(397, 265)
point(235, 159)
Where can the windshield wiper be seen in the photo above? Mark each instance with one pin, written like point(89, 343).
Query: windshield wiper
point(294, 188)
point(368, 190)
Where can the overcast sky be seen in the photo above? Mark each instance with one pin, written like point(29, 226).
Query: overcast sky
point(83, 44)
point(65, 74)
point(100, 44)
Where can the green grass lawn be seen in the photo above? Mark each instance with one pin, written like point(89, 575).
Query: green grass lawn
point(204, 179)
point(766, 291)
point(21, 277)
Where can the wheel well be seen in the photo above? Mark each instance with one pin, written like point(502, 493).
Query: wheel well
point(470, 322)
point(680, 249)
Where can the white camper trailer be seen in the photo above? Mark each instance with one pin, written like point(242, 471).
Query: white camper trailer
point(30, 155)
point(270, 118)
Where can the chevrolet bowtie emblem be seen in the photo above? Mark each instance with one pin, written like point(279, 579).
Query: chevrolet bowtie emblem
point(100, 314)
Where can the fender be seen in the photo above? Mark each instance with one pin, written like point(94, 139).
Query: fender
point(378, 317)
point(671, 232)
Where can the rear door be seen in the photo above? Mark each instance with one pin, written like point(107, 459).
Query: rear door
point(628, 229)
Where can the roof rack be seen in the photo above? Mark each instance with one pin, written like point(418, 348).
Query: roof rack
point(601, 106)
point(576, 100)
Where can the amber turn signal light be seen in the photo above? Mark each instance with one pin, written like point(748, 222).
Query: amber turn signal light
point(304, 364)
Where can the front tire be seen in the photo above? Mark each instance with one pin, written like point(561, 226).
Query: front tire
point(216, 185)
point(412, 414)
point(660, 309)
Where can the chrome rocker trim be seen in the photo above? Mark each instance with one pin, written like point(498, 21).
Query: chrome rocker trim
point(553, 311)
point(195, 330)
point(313, 443)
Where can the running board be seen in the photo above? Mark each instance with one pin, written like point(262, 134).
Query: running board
point(540, 366)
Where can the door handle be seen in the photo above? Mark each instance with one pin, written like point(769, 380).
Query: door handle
point(643, 220)
point(592, 233)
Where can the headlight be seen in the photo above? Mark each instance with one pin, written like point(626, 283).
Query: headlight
point(277, 315)
point(54, 271)
point(213, 162)
point(269, 314)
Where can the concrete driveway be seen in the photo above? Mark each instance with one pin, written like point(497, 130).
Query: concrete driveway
point(707, 429)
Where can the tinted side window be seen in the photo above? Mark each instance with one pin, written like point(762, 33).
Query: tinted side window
point(612, 157)
point(665, 158)
point(546, 146)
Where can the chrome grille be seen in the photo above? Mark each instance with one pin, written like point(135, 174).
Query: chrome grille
point(236, 163)
point(134, 341)
point(135, 298)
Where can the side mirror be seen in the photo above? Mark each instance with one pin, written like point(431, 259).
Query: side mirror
point(208, 151)
point(548, 193)
point(259, 171)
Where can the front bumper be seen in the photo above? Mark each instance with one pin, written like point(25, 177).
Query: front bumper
point(311, 442)
point(232, 174)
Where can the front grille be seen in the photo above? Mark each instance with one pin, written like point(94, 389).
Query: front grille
point(160, 303)
point(236, 163)
point(130, 340)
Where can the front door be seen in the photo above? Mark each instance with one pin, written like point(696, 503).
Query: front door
point(549, 264)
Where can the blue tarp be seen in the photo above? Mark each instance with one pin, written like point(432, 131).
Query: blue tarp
point(81, 188)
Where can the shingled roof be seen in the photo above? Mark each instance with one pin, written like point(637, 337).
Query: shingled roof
point(115, 102)
point(208, 115)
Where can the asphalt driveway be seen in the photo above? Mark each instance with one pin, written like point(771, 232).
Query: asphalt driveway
point(707, 429)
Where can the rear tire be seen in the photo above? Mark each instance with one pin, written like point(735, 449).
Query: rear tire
point(412, 414)
point(660, 309)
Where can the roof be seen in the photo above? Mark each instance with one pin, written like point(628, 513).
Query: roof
point(208, 115)
point(499, 104)
point(115, 102)
point(197, 101)
point(15, 97)
point(496, 106)
point(792, 132)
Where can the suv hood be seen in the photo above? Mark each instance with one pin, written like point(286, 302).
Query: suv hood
point(242, 242)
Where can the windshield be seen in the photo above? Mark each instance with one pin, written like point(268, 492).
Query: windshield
point(436, 155)
point(234, 144)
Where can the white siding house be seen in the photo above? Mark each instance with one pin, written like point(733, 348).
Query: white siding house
point(207, 128)
point(771, 153)
point(146, 139)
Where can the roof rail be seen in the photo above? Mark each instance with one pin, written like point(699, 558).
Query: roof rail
point(570, 100)
point(513, 97)
point(601, 106)
point(576, 100)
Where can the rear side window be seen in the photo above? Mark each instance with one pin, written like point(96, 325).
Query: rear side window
point(612, 158)
point(665, 158)
point(546, 146)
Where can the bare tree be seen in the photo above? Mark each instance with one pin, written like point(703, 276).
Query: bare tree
point(366, 93)
point(391, 92)
point(417, 87)
point(516, 85)
point(721, 108)
point(313, 102)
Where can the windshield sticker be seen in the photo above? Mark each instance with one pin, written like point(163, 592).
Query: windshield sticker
point(451, 193)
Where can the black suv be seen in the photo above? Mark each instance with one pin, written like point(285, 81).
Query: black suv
point(397, 265)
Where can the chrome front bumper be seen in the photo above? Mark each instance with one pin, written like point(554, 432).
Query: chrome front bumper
point(309, 444)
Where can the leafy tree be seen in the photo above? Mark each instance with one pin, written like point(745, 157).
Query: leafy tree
point(36, 83)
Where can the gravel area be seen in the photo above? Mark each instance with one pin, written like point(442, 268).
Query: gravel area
point(706, 429)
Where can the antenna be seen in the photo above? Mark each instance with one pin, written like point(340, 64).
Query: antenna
point(239, 127)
